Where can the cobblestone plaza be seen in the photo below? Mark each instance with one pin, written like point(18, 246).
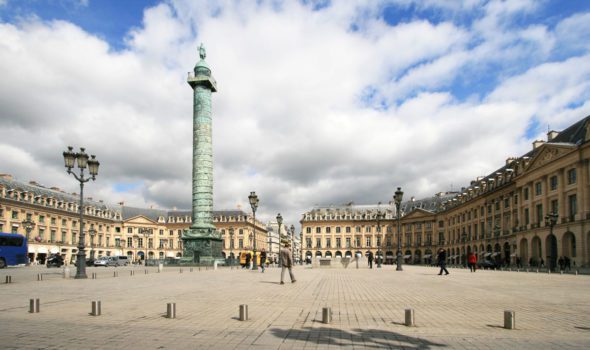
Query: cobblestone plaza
point(462, 310)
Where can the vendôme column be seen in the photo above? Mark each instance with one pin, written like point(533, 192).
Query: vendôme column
point(201, 243)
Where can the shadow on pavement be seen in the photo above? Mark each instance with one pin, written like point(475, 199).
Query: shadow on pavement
point(367, 338)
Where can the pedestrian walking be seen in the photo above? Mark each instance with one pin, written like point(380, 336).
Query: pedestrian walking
point(370, 258)
point(287, 263)
point(442, 261)
point(262, 259)
point(472, 261)
point(248, 258)
point(542, 264)
point(518, 262)
point(561, 263)
point(568, 263)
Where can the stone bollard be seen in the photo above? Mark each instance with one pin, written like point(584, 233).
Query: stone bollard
point(115, 274)
point(537, 270)
point(409, 317)
point(160, 267)
point(34, 306)
point(96, 308)
point(94, 275)
point(39, 277)
point(243, 312)
point(8, 279)
point(146, 271)
point(326, 315)
point(180, 271)
point(66, 272)
point(215, 265)
point(171, 310)
point(509, 319)
point(549, 271)
point(576, 272)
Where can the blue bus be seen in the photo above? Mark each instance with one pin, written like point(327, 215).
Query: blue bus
point(13, 250)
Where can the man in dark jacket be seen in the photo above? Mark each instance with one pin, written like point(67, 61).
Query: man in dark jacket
point(287, 263)
point(442, 261)
point(262, 259)
point(370, 257)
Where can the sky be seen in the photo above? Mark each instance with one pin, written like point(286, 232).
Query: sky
point(318, 102)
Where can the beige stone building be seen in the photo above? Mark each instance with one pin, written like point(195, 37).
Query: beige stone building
point(504, 217)
point(110, 230)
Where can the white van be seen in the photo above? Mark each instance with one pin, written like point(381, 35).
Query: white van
point(120, 260)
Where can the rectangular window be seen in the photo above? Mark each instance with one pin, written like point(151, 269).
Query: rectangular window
point(52, 236)
point(571, 176)
point(140, 242)
point(573, 206)
point(526, 193)
point(308, 242)
point(357, 229)
point(161, 243)
point(308, 230)
point(318, 230)
point(129, 242)
point(53, 221)
point(328, 230)
point(553, 183)
point(348, 229)
point(161, 232)
point(118, 242)
point(41, 219)
point(358, 241)
point(171, 244)
point(328, 243)
point(338, 229)
point(388, 241)
point(15, 214)
point(378, 241)
point(368, 229)
point(241, 243)
point(497, 205)
point(129, 230)
point(368, 241)
point(539, 213)
point(554, 206)
point(347, 242)
point(338, 242)
point(538, 189)
point(63, 222)
point(506, 203)
point(318, 242)
point(171, 233)
point(527, 219)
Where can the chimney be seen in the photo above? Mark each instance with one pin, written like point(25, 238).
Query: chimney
point(551, 135)
point(510, 160)
point(537, 143)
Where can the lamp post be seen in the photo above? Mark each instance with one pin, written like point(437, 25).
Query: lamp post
point(551, 221)
point(70, 159)
point(145, 232)
point(397, 198)
point(29, 225)
point(380, 216)
point(231, 245)
point(293, 243)
point(253, 198)
point(464, 255)
point(280, 223)
point(92, 233)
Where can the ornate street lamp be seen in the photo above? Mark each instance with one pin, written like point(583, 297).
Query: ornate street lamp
point(551, 221)
point(92, 233)
point(253, 199)
point(380, 215)
point(145, 232)
point(231, 245)
point(29, 225)
point(293, 243)
point(397, 198)
point(70, 159)
point(280, 223)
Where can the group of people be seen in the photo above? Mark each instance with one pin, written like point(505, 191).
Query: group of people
point(286, 259)
point(564, 263)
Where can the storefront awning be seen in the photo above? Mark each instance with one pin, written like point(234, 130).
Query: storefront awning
point(54, 250)
point(42, 250)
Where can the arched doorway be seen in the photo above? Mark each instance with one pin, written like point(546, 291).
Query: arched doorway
point(418, 257)
point(338, 254)
point(348, 254)
point(551, 244)
point(408, 256)
point(328, 254)
point(389, 257)
point(318, 254)
point(308, 256)
point(507, 253)
point(536, 251)
point(568, 244)
point(524, 250)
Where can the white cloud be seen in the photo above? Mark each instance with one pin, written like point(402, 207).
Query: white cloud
point(290, 121)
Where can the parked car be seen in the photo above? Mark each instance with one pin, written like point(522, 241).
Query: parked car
point(102, 261)
point(487, 264)
point(121, 260)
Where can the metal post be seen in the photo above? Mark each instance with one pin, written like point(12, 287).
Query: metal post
point(398, 201)
point(171, 310)
point(34, 305)
point(409, 317)
point(96, 308)
point(243, 312)
point(509, 319)
point(8, 279)
point(326, 315)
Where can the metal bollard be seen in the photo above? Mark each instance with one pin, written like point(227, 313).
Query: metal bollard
point(180, 271)
point(191, 269)
point(96, 308)
point(561, 272)
point(34, 305)
point(509, 319)
point(94, 275)
point(326, 315)
point(409, 317)
point(115, 274)
point(39, 277)
point(243, 312)
point(171, 310)
point(199, 268)
point(8, 279)
point(146, 271)
point(160, 267)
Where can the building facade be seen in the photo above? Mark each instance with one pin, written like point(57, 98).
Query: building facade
point(505, 216)
point(111, 230)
